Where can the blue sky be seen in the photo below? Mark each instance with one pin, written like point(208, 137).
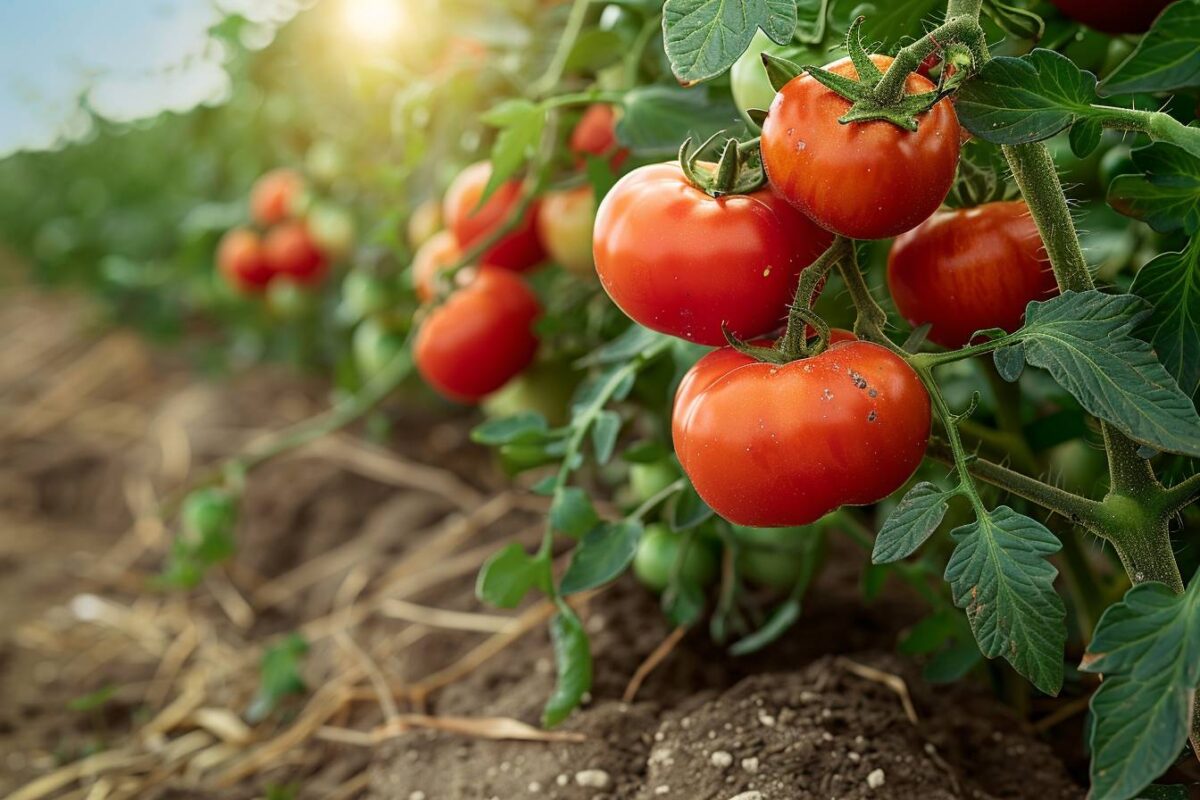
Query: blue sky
point(130, 58)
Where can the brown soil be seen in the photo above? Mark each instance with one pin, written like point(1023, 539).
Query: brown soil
point(361, 548)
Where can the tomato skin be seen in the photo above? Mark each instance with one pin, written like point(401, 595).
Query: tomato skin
point(656, 554)
point(1113, 16)
point(518, 250)
point(480, 338)
point(292, 252)
point(276, 195)
point(596, 135)
point(771, 446)
point(565, 228)
point(242, 261)
point(439, 252)
point(969, 269)
point(681, 262)
point(864, 180)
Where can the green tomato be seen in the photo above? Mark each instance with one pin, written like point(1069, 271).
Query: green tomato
point(767, 556)
point(544, 388)
point(290, 300)
point(325, 161)
point(647, 480)
point(332, 228)
point(658, 551)
point(748, 77)
point(364, 294)
point(374, 347)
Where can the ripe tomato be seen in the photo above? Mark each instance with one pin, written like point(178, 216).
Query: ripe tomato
point(565, 227)
point(242, 262)
point(969, 269)
point(768, 445)
point(596, 135)
point(439, 252)
point(681, 262)
point(1113, 16)
point(291, 251)
point(864, 180)
point(518, 250)
point(659, 549)
point(276, 196)
point(480, 338)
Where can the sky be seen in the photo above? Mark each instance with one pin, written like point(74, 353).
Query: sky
point(130, 59)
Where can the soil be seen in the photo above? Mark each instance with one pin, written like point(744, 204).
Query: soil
point(111, 690)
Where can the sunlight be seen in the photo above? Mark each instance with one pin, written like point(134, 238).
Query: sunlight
point(374, 21)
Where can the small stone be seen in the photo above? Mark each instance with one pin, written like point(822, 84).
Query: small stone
point(534, 787)
point(562, 780)
point(417, 795)
point(662, 789)
point(853, 756)
point(750, 764)
point(592, 778)
point(753, 794)
point(720, 759)
point(875, 779)
point(766, 720)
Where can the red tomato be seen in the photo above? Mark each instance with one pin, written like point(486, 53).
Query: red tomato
point(439, 252)
point(681, 262)
point(480, 338)
point(565, 227)
point(864, 180)
point(969, 269)
point(518, 250)
point(1113, 16)
point(291, 251)
point(768, 445)
point(275, 195)
point(596, 135)
point(240, 259)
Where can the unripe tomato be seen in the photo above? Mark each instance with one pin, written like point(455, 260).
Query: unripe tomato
point(864, 180)
point(565, 227)
point(276, 196)
point(291, 251)
point(242, 261)
point(681, 262)
point(332, 230)
point(438, 253)
point(426, 220)
point(768, 445)
point(364, 294)
point(374, 346)
point(517, 250)
point(596, 135)
point(544, 388)
point(480, 338)
point(1113, 16)
point(647, 480)
point(748, 77)
point(289, 299)
point(659, 549)
point(768, 556)
point(968, 269)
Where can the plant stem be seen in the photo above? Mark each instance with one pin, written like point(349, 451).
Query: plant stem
point(633, 59)
point(871, 319)
point(1157, 125)
point(794, 343)
point(1178, 497)
point(554, 70)
point(961, 25)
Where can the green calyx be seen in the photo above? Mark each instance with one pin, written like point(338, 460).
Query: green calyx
point(738, 170)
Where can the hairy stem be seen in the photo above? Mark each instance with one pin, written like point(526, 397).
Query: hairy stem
point(794, 342)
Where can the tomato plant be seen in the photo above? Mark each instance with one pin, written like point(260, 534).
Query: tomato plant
point(471, 222)
point(662, 552)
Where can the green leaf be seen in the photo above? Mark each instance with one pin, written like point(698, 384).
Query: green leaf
point(913, 521)
point(604, 435)
point(1166, 59)
point(780, 71)
point(928, 635)
point(571, 512)
point(1010, 361)
point(1084, 137)
point(1148, 648)
point(573, 662)
point(1171, 284)
point(658, 118)
point(93, 701)
point(999, 574)
point(1026, 99)
point(1157, 792)
point(687, 510)
point(782, 618)
point(521, 123)
point(1085, 341)
point(889, 21)
point(704, 37)
point(810, 20)
point(603, 554)
point(279, 676)
point(1167, 195)
point(507, 576)
point(952, 664)
point(594, 50)
point(1014, 20)
point(528, 426)
point(633, 342)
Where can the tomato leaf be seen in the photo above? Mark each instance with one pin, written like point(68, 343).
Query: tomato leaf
point(889, 21)
point(687, 510)
point(1166, 195)
point(999, 574)
point(635, 341)
point(1015, 21)
point(952, 664)
point(913, 521)
point(810, 20)
point(1171, 284)
point(521, 123)
point(783, 617)
point(604, 435)
point(594, 50)
point(1167, 57)
point(573, 662)
point(279, 676)
point(1148, 648)
point(603, 554)
point(571, 512)
point(1085, 341)
point(508, 575)
point(1026, 99)
point(1084, 137)
point(528, 426)
point(704, 37)
point(658, 118)
point(928, 635)
point(1010, 361)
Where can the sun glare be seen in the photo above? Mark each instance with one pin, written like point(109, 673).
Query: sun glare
point(377, 21)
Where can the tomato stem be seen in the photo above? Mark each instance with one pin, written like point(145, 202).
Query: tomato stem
point(871, 318)
point(794, 342)
point(566, 43)
point(961, 25)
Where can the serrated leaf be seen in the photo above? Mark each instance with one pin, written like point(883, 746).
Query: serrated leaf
point(1026, 99)
point(687, 510)
point(1171, 284)
point(604, 435)
point(889, 21)
point(603, 554)
point(571, 512)
point(783, 617)
point(913, 521)
point(521, 123)
point(657, 118)
point(1013, 20)
point(1166, 59)
point(527, 426)
point(507, 576)
point(704, 37)
point(573, 664)
point(1166, 195)
point(1085, 341)
point(810, 20)
point(1148, 648)
point(1010, 361)
point(1084, 137)
point(999, 574)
